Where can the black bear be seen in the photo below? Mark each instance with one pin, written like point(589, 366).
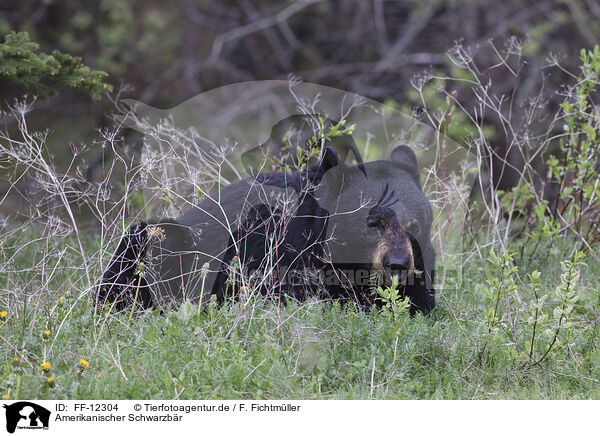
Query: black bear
point(322, 230)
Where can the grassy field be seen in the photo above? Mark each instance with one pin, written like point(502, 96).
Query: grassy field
point(487, 338)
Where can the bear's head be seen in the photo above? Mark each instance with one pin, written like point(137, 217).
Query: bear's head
point(380, 219)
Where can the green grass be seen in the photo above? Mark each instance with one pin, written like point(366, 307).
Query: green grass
point(312, 350)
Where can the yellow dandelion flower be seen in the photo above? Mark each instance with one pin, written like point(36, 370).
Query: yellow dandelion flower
point(16, 360)
point(84, 363)
point(46, 366)
point(60, 300)
point(46, 334)
point(99, 375)
point(50, 381)
point(6, 397)
point(140, 270)
point(3, 314)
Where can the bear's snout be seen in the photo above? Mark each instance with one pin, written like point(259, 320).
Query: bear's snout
point(398, 263)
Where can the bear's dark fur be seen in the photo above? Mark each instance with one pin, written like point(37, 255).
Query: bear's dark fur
point(322, 230)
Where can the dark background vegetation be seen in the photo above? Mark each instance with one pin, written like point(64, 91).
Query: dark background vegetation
point(166, 52)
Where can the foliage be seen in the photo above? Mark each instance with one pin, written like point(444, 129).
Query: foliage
point(537, 174)
point(392, 300)
point(22, 64)
point(566, 296)
point(427, 101)
point(535, 338)
point(577, 169)
point(165, 48)
point(318, 141)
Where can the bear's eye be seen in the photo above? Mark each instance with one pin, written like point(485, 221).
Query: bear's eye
point(373, 221)
point(412, 228)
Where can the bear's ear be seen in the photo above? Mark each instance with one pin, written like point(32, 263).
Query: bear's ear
point(403, 154)
point(329, 159)
point(406, 158)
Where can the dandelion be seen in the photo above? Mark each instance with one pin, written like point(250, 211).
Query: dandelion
point(84, 364)
point(46, 334)
point(50, 381)
point(60, 300)
point(3, 314)
point(16, 360)
point(99, 375)
point(6, 397)
point(46, 366)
